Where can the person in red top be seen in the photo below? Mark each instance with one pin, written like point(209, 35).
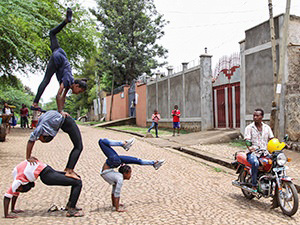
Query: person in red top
point(24, 116)
point(24, 175)
point(155, 119)
point(176, 120)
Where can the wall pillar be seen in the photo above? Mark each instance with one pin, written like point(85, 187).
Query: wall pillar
point(170, 70)
point(233, 108)
point(242, 89)
point(226, 107)
point(184, 68)
point(206, 92)
point(216, 109)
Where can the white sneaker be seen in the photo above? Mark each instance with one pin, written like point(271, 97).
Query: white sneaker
point(129, 143)
point(158, 164)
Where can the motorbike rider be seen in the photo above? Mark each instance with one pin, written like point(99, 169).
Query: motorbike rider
point(259, 134)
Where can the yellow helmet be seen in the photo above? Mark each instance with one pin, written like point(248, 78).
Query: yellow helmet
point(275, 145)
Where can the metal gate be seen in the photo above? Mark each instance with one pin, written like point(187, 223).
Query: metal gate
point(226, 97)
point(131, 100)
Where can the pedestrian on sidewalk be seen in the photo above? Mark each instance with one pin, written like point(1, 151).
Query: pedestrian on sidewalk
point(155, 119)
point(114, 160)
point(60, 65)
point(24, 176)
point(132, 108)
point(8, 111)
point(176, 119)
point(24, 116)
point(259, 134)
point(47, 128)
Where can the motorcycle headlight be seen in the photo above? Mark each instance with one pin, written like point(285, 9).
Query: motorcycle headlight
point(281, 159)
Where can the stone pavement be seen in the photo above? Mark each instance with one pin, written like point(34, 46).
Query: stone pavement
point(183, 191)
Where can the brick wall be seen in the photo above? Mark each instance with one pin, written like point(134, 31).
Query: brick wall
point(120, 105)
point(141, 107)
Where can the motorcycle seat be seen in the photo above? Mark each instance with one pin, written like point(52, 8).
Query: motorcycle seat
point(241, 157)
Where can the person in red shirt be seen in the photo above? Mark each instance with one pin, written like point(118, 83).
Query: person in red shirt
point(176, 119)
point(155, 119)
point(24, 116)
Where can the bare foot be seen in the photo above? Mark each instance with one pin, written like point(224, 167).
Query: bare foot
point(72, 175)
point(11, 216)
point(17, 211)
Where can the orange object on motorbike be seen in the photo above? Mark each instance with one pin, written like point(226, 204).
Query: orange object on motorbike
point(272, 179)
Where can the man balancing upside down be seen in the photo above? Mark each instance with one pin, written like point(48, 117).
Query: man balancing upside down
point(47, 127)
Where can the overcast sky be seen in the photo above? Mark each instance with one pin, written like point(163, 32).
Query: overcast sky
point(195, 24)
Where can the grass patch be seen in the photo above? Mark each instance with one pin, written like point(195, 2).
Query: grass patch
point(217, 169)
point(238, 143)
point(144, 130)
point(87, 123)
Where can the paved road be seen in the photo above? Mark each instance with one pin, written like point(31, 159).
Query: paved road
point(183, 191)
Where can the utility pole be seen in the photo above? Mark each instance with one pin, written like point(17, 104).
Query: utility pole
point(97, 93)
point(274, 63)
point(279, 94)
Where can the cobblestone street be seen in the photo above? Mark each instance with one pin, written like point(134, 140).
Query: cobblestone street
point(183, 191)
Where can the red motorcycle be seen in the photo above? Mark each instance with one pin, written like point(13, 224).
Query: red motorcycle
point(272, 179)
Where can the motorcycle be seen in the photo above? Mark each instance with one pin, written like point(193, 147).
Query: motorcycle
point(272, 179)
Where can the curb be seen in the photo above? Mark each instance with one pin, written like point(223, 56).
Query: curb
point(205, 156)
point(125, 131)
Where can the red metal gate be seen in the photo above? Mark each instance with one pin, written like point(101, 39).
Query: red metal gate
point(227, 105)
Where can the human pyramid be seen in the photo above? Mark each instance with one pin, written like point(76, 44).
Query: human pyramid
point(28, 171)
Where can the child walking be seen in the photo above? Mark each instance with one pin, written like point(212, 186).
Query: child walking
point(176, 119)
point(155, 119)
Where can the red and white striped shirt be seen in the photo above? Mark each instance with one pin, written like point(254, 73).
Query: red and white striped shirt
point(23, 174)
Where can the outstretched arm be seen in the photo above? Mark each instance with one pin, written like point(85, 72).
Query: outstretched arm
point(29, 148)
point(61, 98)
point(116, 203)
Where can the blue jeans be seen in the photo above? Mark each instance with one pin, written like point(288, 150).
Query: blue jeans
point(155, 125)
point(253, 160)
point(114, 160)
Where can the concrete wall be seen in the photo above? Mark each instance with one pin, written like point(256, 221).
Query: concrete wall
point(292, 97)
point(141, 105)
point(120, 105)
point(257, 85)
point(191, 90)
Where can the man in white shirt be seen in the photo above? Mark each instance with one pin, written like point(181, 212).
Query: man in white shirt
point(259, 134)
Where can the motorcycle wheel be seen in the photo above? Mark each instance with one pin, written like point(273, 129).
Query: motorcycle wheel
point(246, 178)
point(288, 201)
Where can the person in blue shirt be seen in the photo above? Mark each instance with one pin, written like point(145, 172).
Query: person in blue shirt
point(60, 65)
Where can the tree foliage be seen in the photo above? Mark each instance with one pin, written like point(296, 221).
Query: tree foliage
point(130, 29)
point(24, 29)
point(14, 93)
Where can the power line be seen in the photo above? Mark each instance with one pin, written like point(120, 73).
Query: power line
point(213, 24)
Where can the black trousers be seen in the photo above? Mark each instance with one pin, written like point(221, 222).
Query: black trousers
point(49, 176)
point(70, 127)
point(24, 121)
point(51, 68)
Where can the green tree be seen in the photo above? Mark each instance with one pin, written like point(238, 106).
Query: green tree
point(130, 29)
point(24, 29)
point(14, 93)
